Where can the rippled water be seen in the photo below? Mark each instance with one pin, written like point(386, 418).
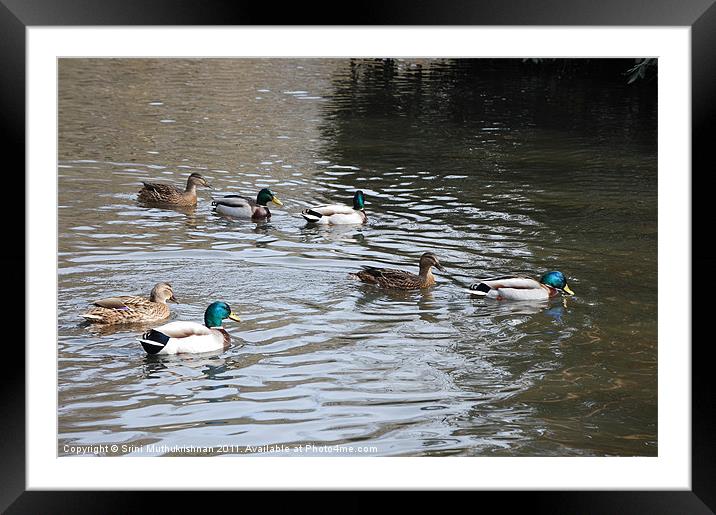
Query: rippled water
point(495, 166)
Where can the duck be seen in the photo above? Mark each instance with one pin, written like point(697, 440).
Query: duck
point(400, 279)
point(157, 193)
point(549, 285)
point(243, 207)
point(338, 214)
point(191, 337)
point(131, 309)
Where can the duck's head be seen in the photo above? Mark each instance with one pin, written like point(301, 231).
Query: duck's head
point(556, 280)
point(162, 292)
point(358, 200)
point(265, 196)
point(429, 259)
point(196, 179)
point(217, 312)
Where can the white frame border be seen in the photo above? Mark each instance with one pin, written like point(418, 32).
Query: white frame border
point(670, 470)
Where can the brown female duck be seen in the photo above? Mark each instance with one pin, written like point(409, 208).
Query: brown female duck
point(132, 309)
point(156, 193)
point(399, 279)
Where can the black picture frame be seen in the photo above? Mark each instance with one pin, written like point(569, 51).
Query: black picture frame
point(700, 15)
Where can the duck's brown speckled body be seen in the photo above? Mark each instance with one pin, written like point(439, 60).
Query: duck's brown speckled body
point(400, 279)
point(168, 194)
point(131, 309)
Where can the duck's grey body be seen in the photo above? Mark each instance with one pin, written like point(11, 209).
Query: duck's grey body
point(338, 214)
point(513, 288)
point(334, 214)
point(241, 207)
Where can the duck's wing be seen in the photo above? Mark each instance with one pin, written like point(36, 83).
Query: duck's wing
point(161, 189)
point(183, 329)
point(163, 193)
point(331, 209)
point(518, 283)
point(391, 276)
point(123, 309)
point(507, 287)
point(233, 201)
point(119, 302)
point(135, 301)
point(369, 274)
point(381, 272)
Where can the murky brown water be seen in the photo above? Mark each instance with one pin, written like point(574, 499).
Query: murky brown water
point(497, 169)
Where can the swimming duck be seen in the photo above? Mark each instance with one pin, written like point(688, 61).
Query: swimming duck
point(399, 279)
point(337, 214)
point(243, 207)
point(156, 193)
point(191, 337)
point(130, 309)
point(523, 288)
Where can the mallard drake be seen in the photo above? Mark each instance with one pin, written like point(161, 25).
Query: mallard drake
point(243, 207)
point(191, 337)
point(131, 309)
point(399, 279)
point(156, 193)
point(337, 214)
point(523, 288)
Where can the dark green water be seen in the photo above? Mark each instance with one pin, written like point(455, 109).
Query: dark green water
point(497, 167)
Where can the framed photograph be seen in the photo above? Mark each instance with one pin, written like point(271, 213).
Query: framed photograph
point(444, 248)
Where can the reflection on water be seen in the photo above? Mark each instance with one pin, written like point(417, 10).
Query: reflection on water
point(494, 166)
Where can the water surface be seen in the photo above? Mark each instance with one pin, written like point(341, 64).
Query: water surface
point(496, 167)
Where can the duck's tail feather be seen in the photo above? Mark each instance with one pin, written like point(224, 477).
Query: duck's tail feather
point(153, 341)
point(480, 289)
point(310, 215)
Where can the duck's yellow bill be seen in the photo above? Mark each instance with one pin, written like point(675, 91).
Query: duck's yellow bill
point(568, 289)
point(234, 317)
point(276, 201)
